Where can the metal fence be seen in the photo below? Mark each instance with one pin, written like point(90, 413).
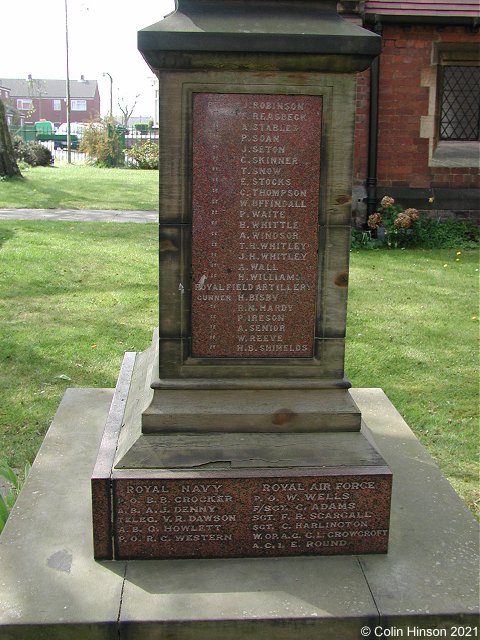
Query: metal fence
point(58, 149)
point(60, 154)
point(129, 137)
point(135, 137)
point(25, 131)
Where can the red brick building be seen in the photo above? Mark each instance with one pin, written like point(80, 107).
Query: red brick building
point(418, 108)
point(38, 99)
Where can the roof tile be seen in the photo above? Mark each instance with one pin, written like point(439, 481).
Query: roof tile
point(38, 87)
point(435, 8)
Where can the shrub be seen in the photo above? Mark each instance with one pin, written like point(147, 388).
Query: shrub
point(398, 224)
point(33, 153)
point(19, 147)
point(38, 155)
point(102, 143)
point(364, 240)
point(445, 234)
point(399, 228)
point(144, 156)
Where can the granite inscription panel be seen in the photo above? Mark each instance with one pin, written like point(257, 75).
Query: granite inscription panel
point(255, 201)
point(292, 514)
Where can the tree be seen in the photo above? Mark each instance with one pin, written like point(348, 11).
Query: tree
point(126, 110)
point(8, 163)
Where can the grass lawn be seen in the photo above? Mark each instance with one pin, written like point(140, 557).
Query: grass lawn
point(81, 187)
point(413, 330)
point(75, 296)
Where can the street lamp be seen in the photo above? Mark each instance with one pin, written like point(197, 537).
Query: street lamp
point(105, 73)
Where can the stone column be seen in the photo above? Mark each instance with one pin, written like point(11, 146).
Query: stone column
point(242, 398)
point(256, 124)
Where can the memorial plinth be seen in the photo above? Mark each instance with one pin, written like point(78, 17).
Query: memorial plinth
point(236, 495)
point(51, 587)
point(235, 434)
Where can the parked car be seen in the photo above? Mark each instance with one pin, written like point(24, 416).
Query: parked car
point(76, 132)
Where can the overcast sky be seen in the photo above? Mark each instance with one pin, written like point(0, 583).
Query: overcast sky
point(102, 38)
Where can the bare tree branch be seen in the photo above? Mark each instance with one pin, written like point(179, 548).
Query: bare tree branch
point(126, 110)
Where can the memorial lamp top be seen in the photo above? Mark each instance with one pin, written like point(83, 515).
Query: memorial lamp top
point(303, 35)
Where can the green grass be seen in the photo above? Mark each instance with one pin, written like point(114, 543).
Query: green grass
point(413, 330)
point(81, 187)
point(75, 296)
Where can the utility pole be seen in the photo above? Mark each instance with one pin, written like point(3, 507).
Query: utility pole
point(69, 141)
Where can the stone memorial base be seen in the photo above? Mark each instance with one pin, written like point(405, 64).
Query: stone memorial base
point(51, 586)
point(233, 494)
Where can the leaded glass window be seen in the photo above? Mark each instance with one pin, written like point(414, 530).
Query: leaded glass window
point(460, 103)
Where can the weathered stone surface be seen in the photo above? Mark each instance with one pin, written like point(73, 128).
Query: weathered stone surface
point(256, 179)
point(221, 451)
point(50, 586)
point(252, 513)
point(189, 452)
point(268, 36)
point(257, 410)
point(433, 536)
point(101, 490)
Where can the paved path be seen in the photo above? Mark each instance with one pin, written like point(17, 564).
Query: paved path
point(83, 215)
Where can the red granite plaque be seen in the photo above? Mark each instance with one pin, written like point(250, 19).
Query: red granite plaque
point(256, 176)
point(258, 513)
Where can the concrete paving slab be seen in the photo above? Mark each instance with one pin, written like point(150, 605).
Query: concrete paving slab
point(285, 598)
point(51, 587)
point(432, 564)
point(79, 215)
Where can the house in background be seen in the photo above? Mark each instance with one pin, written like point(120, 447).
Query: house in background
point(4, 92)
point(418, 107)
point(39, 99)
point(10, 112)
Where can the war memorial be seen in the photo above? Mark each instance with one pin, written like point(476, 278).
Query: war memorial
point(234, 485)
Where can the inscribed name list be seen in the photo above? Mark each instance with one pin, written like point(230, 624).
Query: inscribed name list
point(326, 513)
point(255, 201)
